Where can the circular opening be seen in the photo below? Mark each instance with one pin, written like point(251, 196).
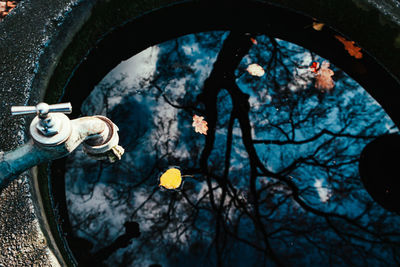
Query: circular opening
point(275, 173)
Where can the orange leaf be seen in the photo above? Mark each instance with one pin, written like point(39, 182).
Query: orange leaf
point(254, 41)
point(350, 47)
point(199, 124)
point(317, 26)
point(323, 80)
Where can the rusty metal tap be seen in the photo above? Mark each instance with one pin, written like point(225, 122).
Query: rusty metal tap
point(54, 136)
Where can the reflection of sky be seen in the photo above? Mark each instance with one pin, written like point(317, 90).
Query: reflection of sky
point(157, 136)
point(136, 68)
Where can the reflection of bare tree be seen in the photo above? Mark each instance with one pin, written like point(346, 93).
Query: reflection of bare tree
point(274, 181)
point(97, 258)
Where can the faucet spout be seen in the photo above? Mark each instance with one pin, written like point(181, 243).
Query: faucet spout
point(98, 134)
point(104, 144)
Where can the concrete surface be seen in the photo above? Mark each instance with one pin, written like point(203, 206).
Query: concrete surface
point(28, 52)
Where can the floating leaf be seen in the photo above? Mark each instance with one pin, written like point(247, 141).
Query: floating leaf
point(350, 47)
point(253, 40)
point(323, 79)
point(255, 70)
point(199, 124)
point(317, 26)
point(314, 67)
point(171, 179)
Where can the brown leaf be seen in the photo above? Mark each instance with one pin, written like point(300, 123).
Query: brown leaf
point(11, 4)
point(323, 79)
point(6, 7)
point(199, 124)
point(350, 47)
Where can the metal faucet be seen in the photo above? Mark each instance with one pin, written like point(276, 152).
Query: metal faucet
point(54, 136)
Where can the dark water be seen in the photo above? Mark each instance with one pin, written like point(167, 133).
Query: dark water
point(275, 180)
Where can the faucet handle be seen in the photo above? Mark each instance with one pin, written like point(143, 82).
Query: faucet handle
point(46, 124)
point(42, 109)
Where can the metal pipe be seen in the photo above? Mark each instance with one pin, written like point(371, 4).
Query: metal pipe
point(96, 131)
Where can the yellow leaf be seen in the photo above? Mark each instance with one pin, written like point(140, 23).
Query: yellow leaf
point(171, 179)
point(255, 70)
point(317, 26)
